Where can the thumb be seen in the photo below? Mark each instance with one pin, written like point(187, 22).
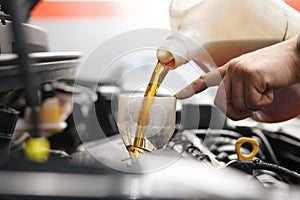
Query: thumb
point(209, 79)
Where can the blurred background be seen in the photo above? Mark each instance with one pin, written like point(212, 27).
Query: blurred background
point(84, 25)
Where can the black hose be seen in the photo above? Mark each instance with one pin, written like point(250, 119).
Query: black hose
point(267, 145)
point(278, 169)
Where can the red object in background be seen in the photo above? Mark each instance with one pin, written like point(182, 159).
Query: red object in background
point(94, 9)
point(294, 3)
point(75, 9)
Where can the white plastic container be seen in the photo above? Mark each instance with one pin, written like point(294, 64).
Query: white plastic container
point(225, 28)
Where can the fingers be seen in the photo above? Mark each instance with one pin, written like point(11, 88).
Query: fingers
point(242, 90)
point(214, 77)
point(193, 88)
point(210, 79)
point(256, 98)
point(238, 93)
point(224, 101)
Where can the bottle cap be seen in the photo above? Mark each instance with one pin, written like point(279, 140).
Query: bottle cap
point(180, 46)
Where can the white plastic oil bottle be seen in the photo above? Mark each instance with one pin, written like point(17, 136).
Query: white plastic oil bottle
point(225, 28)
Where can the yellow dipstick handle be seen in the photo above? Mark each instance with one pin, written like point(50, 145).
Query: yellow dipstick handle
point(240, 142)
point(37, 149)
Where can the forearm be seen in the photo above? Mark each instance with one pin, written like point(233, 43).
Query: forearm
point(295, 54)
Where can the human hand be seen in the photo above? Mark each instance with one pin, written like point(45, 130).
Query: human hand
point(247, 83)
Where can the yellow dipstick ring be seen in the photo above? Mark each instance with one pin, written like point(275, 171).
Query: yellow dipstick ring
point(37, 149)
point(239, 144)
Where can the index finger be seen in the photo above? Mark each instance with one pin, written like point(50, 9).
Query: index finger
point(209, 79)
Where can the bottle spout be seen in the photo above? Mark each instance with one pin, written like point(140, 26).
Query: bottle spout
point(172, 49)
point(178, 47)
point(164, 56)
